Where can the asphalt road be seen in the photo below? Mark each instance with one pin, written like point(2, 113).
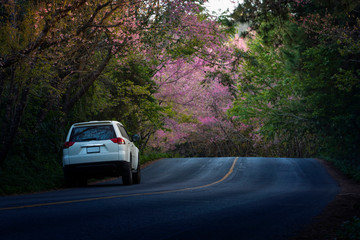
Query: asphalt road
point(191, 198)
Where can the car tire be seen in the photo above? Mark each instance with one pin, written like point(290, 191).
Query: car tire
point(127, 175)
point(137, 175)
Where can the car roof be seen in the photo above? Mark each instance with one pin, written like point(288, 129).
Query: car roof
point(90, 123)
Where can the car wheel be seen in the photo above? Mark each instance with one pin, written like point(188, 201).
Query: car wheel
point(137, 175)
point(127, 175)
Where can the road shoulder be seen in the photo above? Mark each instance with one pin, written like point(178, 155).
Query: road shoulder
point(345, 206)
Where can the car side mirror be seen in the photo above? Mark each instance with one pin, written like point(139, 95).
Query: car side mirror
point(135, 138)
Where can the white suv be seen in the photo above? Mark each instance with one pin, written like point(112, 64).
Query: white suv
point(99, 149)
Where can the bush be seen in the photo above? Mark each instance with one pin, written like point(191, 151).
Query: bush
point(350, 169)
point(23, 175)
point(350, 230)
point(148, 157)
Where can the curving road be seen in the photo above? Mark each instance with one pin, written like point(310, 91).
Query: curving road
point(187, 198)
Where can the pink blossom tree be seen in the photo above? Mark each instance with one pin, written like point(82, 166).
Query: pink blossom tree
point(198, 90)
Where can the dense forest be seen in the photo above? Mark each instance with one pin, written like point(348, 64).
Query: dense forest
point(189, 83)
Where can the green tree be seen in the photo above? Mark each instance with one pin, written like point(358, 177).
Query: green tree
point(268, 101)
point(317, 43)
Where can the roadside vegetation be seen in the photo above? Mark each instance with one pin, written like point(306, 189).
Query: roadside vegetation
point(350, 230)
point(151, 156)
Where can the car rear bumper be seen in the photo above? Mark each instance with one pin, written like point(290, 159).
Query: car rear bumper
point(97, 169)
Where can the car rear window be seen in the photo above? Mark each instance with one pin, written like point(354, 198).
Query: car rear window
point(92, 133)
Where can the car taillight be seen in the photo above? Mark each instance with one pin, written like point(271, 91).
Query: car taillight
point(118, 140)
point(68, 144)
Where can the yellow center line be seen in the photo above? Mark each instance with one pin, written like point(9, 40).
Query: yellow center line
point(125, 195)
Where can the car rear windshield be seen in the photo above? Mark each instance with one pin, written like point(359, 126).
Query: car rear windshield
point(92, 133)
